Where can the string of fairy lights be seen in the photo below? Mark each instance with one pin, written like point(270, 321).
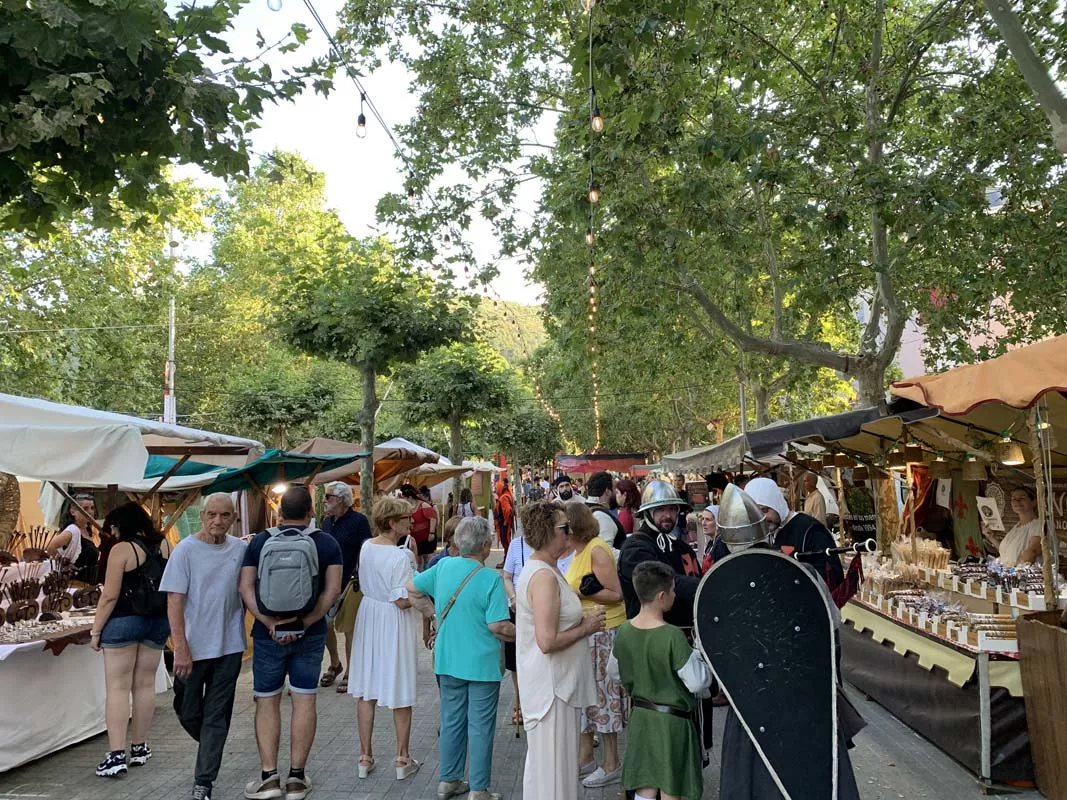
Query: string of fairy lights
point(452, 240)
point(596, 126)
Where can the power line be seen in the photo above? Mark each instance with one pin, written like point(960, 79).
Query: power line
point(142, 326)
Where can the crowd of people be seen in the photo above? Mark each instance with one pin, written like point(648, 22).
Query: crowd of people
point(591, 610)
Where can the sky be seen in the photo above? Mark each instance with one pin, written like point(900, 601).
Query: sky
point(323, 130)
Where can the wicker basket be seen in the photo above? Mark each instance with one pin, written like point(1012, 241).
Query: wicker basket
point(10, 500)
point(1043, 661)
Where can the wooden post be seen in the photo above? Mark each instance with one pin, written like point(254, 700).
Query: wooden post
point(1037, 450)
point(842, 508)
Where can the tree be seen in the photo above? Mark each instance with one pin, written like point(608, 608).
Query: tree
point(282, 393)
point(1032, 66)
point(779, 170)
point(527, 434)
point(103, 95)
point(456, 384)
point(361, 307)
point(84, 310)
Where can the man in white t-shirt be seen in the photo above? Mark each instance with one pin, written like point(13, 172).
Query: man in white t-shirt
point(207, 625)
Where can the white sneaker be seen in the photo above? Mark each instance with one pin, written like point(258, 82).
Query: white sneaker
point(600, 778)
point(587, 769)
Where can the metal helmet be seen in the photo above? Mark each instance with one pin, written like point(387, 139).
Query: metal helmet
point(741, 523)
point(660, 493)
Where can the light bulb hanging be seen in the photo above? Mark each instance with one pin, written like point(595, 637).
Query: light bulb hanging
point(590, 237)
point(447, 241)
point(587, 5)
point(594, 192)
point(274, 5)
point(361, 121)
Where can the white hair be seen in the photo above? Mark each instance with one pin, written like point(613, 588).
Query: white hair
point(342, 490)
point(221, 497)
point(472, 535)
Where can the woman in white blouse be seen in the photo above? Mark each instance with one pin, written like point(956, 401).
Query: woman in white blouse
point(555, 674)
point(1022, 544)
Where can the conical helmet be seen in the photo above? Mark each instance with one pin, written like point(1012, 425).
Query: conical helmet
point(741, 523)
point(660, 493)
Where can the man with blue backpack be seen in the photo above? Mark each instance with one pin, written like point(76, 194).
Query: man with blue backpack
point(290, 578)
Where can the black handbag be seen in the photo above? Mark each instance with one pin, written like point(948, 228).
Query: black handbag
point(590, 585)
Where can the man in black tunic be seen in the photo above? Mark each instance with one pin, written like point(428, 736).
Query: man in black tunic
point(652, 541)
point(793, 532)
point(743, 774)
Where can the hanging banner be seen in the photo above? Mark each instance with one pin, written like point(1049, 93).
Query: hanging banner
point(944, 492)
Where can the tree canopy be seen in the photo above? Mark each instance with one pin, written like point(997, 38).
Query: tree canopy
point(102, 96)
point(775, 171)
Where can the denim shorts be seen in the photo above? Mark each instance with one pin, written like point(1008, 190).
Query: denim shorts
point(301, 661)
point(125, 631)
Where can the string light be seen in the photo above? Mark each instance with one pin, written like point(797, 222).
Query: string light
point(361, 121)
point(274, 5)
point(590, 237)
point(594, 191)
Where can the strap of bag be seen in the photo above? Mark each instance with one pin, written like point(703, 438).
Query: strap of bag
point(452, 600)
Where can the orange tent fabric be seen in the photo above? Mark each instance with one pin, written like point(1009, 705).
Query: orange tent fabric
point(1017, 379)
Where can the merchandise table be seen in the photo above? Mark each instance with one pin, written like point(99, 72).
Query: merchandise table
point(971, 706)
point(52, 695)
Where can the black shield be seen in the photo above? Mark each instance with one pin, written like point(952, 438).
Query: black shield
point(764, 623)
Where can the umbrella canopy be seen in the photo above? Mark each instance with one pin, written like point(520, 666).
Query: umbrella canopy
point(84, 446)
point(390, 458)
point(424, 475)
point(586, 463)
point(1016, 379)
point(277, 466)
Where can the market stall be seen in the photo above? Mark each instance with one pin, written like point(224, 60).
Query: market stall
point(391, 458)
point(933, 633)
point(51, 684)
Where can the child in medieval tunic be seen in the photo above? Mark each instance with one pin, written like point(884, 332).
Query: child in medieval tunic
point(661, 673)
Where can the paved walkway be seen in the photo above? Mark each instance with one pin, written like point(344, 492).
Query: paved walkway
point(890, 761)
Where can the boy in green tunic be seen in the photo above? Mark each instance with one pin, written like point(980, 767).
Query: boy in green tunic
point(663, 754)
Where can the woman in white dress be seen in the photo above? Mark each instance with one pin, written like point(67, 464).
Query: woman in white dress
point(1022, 544)
point(384, 660)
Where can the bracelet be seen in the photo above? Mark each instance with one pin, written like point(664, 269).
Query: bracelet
point(94, 633)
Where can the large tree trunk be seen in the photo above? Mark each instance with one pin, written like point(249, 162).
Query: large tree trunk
point(455, 452)
point(367, 416)
point(763, 404)
point(1052, 101)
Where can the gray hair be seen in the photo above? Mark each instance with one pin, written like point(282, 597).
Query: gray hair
point(472, 535)
point(221, 497)
point(342, 490)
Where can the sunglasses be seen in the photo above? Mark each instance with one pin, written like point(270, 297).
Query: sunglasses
point(564, 527)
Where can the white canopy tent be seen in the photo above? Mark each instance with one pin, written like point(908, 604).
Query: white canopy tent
point(72, 444)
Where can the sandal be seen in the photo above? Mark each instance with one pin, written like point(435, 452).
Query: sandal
point(330, 675)
point(366, 766)
point(342, 687)
point(406, 767)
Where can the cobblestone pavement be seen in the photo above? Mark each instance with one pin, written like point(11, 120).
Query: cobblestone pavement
point(890, 761)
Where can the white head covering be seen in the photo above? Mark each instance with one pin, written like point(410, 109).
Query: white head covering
point(765, 492)
point(342, 490)
point(714, 511)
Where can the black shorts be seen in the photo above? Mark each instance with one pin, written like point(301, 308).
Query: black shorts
point(427, 547)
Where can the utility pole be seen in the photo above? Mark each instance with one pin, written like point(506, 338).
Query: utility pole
point(170, 407)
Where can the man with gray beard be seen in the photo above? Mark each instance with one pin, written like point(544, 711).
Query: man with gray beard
point(207, 624)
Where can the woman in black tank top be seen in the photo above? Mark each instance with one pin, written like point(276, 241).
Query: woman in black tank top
point(131, 628)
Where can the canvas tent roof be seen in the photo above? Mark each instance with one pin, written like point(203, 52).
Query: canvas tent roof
point(390, 458)
point(72, 444)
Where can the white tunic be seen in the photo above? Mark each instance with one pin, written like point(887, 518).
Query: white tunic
point(1017, 540)
point(386, 640)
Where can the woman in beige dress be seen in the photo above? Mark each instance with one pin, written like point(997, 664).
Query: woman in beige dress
point(555, 674)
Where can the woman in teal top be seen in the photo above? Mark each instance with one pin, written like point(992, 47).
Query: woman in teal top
point(467, 655)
